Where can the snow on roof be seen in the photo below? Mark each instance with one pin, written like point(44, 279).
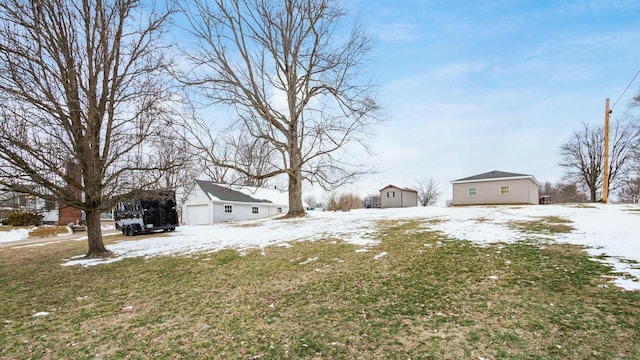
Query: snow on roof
point(241, 193)
point(273, 195)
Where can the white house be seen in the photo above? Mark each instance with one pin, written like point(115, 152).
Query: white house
point(207, 202)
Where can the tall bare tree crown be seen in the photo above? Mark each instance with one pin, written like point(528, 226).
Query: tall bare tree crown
point(292, 80)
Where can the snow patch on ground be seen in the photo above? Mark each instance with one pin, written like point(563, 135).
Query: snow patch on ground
point(381, 255)
point(13, 235)
point(609, 232)
point(309, 260)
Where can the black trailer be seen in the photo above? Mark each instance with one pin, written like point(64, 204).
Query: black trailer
point(147, 211)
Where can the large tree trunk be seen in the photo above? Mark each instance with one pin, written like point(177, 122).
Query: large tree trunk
point(94, 233)
point(295, 179)
point(295, 194)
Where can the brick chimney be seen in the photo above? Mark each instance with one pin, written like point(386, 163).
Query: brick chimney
point(68, 214)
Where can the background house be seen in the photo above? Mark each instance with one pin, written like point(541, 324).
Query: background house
point(393, 196)
point(495, 187)
point(11, 201)
point(207, 202)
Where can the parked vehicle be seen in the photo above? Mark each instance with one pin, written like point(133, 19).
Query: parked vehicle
point(147, 211)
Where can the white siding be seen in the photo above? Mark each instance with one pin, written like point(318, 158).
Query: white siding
point(197, 214)
point(195, 210)
point(199, 209)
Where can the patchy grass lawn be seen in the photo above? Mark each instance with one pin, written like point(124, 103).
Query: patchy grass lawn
point(543, 225)
point(429, 297)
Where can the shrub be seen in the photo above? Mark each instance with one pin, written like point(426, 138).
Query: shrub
point(24, 218)
point(344, 202)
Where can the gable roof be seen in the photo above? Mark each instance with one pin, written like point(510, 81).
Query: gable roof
point(397, 187)
point(225, 193)
point(495, 175)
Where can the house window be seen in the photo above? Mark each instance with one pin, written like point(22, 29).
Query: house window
point(279, 210)
point(504, 190)
point(473, 192)
point(254, 210)
point(391, 194)
point(228, 209)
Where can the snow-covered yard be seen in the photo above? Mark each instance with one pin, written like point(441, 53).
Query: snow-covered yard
point(13, 235)
point(612, 230)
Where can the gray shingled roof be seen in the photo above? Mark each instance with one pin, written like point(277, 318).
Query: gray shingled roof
point(495, 174)
point(226, 194)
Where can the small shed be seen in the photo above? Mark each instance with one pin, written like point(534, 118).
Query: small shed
point(207, 202)
point(393, 196)
point(495, 187)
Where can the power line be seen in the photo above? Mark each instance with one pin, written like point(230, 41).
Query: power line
point(625, 90)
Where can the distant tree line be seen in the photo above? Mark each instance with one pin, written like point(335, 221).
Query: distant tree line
point(562, 193)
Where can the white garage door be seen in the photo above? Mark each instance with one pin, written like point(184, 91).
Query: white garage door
point(197, 214)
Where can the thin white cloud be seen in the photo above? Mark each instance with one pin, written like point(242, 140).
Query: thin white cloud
point(396, 32)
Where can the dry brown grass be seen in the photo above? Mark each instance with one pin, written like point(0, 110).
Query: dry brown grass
point(47, 231)
point(448, 300)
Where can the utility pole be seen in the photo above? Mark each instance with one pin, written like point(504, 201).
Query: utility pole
point(605, 180)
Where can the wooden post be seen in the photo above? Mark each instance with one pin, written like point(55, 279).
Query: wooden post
point(605, 178)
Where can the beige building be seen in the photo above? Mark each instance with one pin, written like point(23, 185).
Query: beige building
point(495, 187)
point(393, 196)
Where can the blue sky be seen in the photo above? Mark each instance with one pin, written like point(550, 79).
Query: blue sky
point(469, 87)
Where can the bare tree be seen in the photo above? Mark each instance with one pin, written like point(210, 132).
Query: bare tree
point(629, 192)
point(583, 155)
point(290, 80)
point(562, 193)
point(215, 173)
point(311, 201)
point(80, 87)
point(428, 192)
point(177, 166)
point(255, 155)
